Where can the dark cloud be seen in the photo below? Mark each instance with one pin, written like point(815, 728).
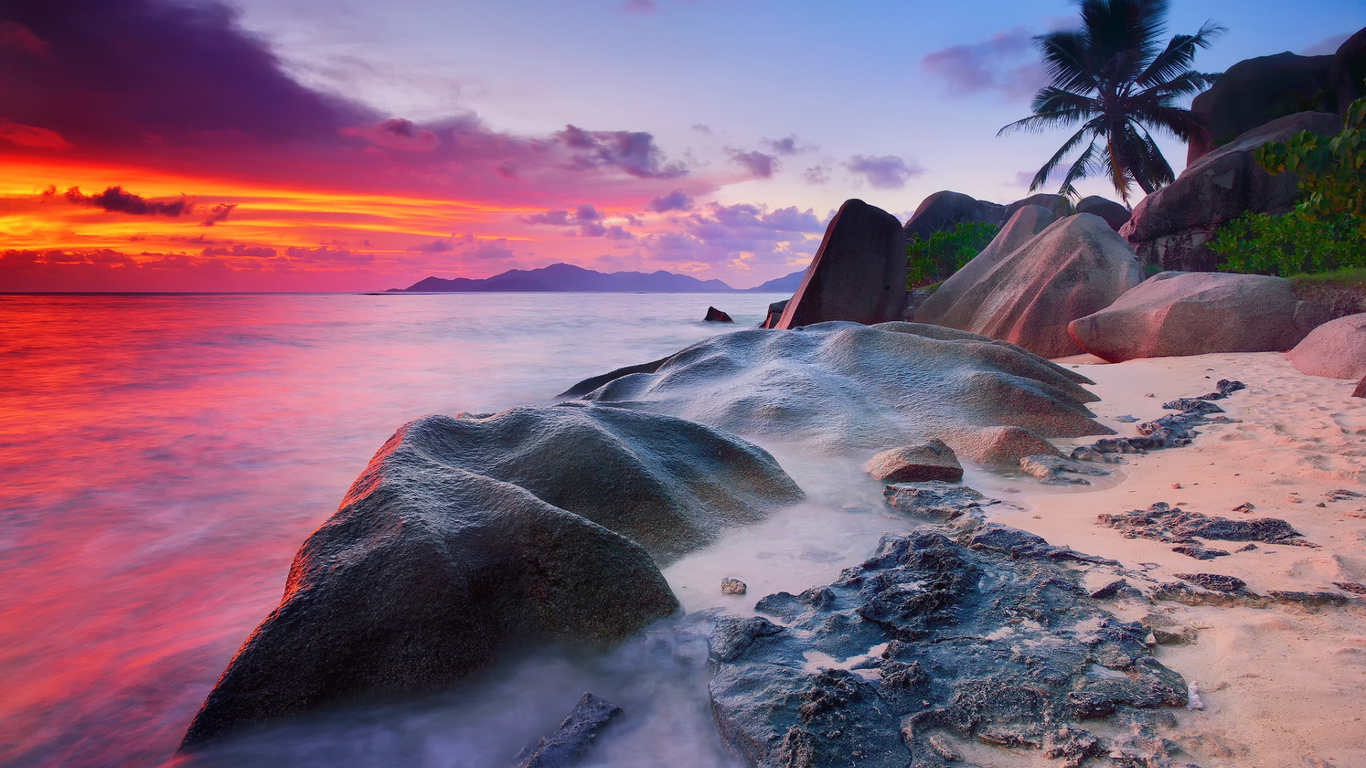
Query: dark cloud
point(785, 146)
point(327, 254)
point(584, 214)
point(616, 232)
point(219, 213)
point(17, 37)
point(1005, 63)
point(674, 201)
point(885, 172)
point(396, 133)
point(759, 165)
point(631, 151)
point(115, 200)
point(241, 250)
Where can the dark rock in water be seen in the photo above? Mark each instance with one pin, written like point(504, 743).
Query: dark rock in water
point(775, 313)
point(1114, 214)
point(934, 500)
point(931, 461)
point(942, 211)
point(930, 643)
point(1213, 581)
point(1199, 552)
point(715, 315)
point(465, 535)
point(563, 748)
point(1360, 391)
point(1173, 314)
point(858, 274)
point(1163, 522)
point(841, 386)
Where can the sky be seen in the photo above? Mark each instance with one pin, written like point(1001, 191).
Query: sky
point(355, 145)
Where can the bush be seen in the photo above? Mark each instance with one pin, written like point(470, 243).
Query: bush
point(934, 259)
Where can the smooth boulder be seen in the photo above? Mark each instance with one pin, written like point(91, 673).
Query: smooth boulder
point(715, 315)
point(1170, 227)
point(943, 211)
point(946, 306)
point(914, 463)
point(1360, 391)
point(1336, 349)
point(844, 386)
point(1114, 214)
point(1075, 267)
point(463, 536)
point(1174, 314)
point(1059, 205)
point(858, 274)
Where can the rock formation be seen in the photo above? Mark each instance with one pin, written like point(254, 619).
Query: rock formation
point(842, 386)
point(946, 305)
point(1194, 313)
point(1077, 266)
point(1058, 204)
point(1170, 227)
point(942, 211)
point(715, 315)
point(1114, 214)
point(858, 274)
point(1336, 349)
point(913, 463)
point(463, 535)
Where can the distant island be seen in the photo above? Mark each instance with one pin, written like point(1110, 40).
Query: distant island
point(567, 278)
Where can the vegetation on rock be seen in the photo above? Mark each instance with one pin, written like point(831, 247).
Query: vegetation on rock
point(932, 260)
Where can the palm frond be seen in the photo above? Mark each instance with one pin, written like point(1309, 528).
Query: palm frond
point(1081, 168)
point(1041, 177)
point(1179, 54)
point(1065, 61)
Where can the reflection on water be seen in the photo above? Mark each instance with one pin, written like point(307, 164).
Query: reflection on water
point(163, 457)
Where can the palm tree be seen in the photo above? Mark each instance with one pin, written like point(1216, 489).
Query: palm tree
point(1115, 75)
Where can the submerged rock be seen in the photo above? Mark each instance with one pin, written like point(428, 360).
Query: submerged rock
point(563, 748)
point(465, 535)
point(842, 386)
point(929, 645)
point(715, 315)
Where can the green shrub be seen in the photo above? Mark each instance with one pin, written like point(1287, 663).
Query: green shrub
point(943, 253)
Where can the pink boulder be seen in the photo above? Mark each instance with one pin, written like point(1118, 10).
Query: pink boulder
point(1173, 314)
point(1335, 349)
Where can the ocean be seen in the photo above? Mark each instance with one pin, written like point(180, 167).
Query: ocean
point(164, 456)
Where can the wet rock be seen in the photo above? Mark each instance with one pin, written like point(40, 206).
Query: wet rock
point(1109, 590)
point(775, 313)
point(1214, 582)
point(1336, 349)
point(937, 501)
point(715, 315)
point(1360, 390)
point(1002, 446)
point(843, 386)
point(912, 463)
point(1163, 522)
point(858, 273)
point(1172, 314)
point(563, 748)
point(930, 641)
point(462, 536)
point(1053, 469)
point(1199, 552)
point(733, 587)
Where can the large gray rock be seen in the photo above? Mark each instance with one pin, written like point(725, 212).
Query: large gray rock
point(1170, 227)
point(1058, 204)
point(1078, 265)
point(842, 386)
point(858, 274)
point(1194, 313)
point(1256, 91)
point(942, 211)
point(946, 306)
point(1347, 72)
point(1336, 349)
point(465, 535)
point(1114, 214)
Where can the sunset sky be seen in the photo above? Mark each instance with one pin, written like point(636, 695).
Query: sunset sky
point(345, 145)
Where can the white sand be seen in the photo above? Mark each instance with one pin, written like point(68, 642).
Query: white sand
point(1282, 685)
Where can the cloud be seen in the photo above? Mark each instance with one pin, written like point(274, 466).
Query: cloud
point(631, 151)
point(586, 213)
point(32, 136)
point(115, 200)
point(1004, 63)
point(784, 146)
point(396, 133)
point(486, 250)
point(674, 201)
point(219, 213)
point(884, 172)
point(436, 246)
point(18, 37)
point(241, 250)
point(740, 237)
point(640, 6)
point(759, 165)
point(327, 254)
point(816, 174)
point(1327, 46)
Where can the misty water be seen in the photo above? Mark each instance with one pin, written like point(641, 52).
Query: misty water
point(163, 457)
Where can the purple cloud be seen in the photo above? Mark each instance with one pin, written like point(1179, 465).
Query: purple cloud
point(631, 151)
point(396, 133)
point(327, 254)
point(640, 6)
point(816, 174)
point(586, 213)
point(784, 146)
point(885, 172)
point(759, 165)
point(440, 245)
point(241, 250)
point(115, 200)
point(1004, 62)
point(674, 201)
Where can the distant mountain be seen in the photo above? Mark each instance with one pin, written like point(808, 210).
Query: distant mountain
point(569, 278)
point(784, 284)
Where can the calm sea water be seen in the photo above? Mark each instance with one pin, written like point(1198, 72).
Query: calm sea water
point(162, 458)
